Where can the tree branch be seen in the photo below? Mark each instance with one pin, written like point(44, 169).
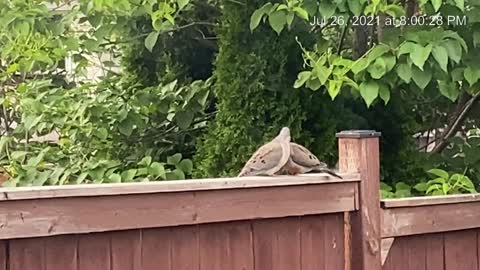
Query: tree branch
point(455, 123)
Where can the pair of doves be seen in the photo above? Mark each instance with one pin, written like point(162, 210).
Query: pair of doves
point(280, 156)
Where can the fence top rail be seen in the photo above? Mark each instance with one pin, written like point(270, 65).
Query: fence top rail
point(430, 200)
point(25, 193)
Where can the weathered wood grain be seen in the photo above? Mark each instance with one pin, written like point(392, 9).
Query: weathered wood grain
point(359, 153)
point(27, 254)
point(404, 221)
point(461, 250)
point(27, 193)
point(44, 217)
point(61, 252)
point(430, 200)
point(94, 251)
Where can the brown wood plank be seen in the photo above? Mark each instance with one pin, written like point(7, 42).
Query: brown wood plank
point(386, 244)
point(416, 250)
point(94, 251)
point(434, 252)
point(61, 252)
point(226, 246)
point(27, 254)
point(359, 152)
point(430, 219)
point(45, 217)
point(156, 249)
point(185, 248)
point(277, 244)
point(3, 255)
point(430, 200)
point(397, 256)
point(27, 193)
point(461, 250)
point(322, 242)
point(126, 250)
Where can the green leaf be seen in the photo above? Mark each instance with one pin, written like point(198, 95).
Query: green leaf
point(101, 133)
point(404, 72)
point(327, 9)
point(256, 18)
point(378, 51)
point(157, 169)
point(302, 77)
point(175, 159)
point(377, 69)
point(81, 178)
point(355, 7)
point(454, 50)
point(436, 4)
point(290, 17)
point(448, 89)
point(151, 40)
point(277, 20)
point(302, 13)
point(360, 64)
point(322, 73)
point(369, 91)
point(31, 120)
point(441, 56)
point(146, 161)
point(18, 155)
point(334, 87)
point(114, 178)
point(384, 186)
point(182, 3)
point(406, 48)
point(421, 77)
point(184, 119)
point(41, 178)
point(471, 74)
point(384, 93)
point(186, 166)
point(179, 174)
point(422, 187)
point(390, 62)
point(460, 4)
point(420, 54)
point(438, 172)
point(126, 127)
point(128, 175)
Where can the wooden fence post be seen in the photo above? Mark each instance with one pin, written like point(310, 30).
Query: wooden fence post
point(359, 153)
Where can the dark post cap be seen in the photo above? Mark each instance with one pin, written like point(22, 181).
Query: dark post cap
point(358, 134)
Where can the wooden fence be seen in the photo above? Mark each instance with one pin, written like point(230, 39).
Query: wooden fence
point(307, 222)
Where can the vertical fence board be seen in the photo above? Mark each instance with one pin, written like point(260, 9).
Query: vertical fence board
point(185, 248)
point(226, 246)
point(3, 255)
point(94, 251)
point(434, 252)
point(461, 250)
point(416, 250)
point(61, 252)
point(322, 242)
point(277, 244)
point(156, 249)
point(27, 253)
point(126, 250)
point(397, 255)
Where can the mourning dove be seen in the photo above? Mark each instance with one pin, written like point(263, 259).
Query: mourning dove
point(302, 161)
point(270, 157)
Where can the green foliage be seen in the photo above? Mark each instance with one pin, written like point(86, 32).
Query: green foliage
point(445, 184)
point(116, 130)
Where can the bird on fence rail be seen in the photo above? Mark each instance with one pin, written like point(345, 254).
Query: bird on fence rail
point(269, 158)
point(302, 161)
